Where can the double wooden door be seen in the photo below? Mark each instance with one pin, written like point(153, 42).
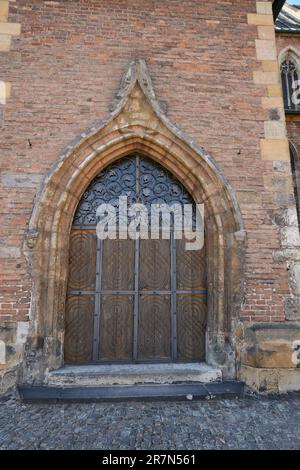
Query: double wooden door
point(133, 300)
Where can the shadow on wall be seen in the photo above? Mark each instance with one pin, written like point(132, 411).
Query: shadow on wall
point(295, 164)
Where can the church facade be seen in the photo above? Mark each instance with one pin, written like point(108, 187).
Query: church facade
point(162, 102)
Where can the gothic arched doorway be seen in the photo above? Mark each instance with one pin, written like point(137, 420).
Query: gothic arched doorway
point(133, 300)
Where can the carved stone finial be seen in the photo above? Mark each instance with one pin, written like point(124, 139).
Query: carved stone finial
point(136, 73)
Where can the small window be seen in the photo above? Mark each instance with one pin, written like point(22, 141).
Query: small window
point(289, 79)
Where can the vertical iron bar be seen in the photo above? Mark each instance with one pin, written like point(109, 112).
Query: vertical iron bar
point(136, 274)
point(136, 301)
point(96, 336)
point(294, 80)
point(288, 91)
point(173, 296)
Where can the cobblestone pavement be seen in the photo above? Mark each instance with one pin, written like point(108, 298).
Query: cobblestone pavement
point(250, 423)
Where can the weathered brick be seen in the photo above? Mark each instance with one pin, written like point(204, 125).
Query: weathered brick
point(275, 130)
point(265, 49)
point(260, 20)
point(10, 28)
point(5, 42)
point(264, 8)
point(266, 32)
point(4, 5)
point(265, 78)
point(275, 149)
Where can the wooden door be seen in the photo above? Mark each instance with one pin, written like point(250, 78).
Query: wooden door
point(133, 300)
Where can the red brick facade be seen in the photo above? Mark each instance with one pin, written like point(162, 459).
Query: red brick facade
point(65, 70)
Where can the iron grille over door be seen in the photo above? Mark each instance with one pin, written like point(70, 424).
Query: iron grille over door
point(133, 300)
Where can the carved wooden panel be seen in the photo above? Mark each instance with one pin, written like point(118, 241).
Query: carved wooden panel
point(155, 264)
point(118, 265)
point(154, 337)
point(79, 328)
point(82, 260)
point(190, 268)
point(191, 325)
point(116, 327)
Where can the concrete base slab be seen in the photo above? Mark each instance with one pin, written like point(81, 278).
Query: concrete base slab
point(189, 392)
point(133, 374)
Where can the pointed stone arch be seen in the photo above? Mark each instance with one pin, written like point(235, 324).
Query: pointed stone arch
point(136, 123)
point(292, 52)
point(289, 61)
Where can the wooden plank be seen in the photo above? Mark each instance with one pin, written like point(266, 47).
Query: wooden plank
point(190, 267)
point(118, 265)
point(191, 326)
point(155, 265)
point(116, 327)
point(154, 327)
point(82, 260)
point(79, 328)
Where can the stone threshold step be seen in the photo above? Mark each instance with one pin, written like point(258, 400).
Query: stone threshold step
point(133, 374)
point(230, 389)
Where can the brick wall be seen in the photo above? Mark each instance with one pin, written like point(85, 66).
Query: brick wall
point(65, 69)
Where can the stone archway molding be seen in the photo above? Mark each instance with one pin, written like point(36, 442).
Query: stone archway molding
point(289, 51)
point(136, 123)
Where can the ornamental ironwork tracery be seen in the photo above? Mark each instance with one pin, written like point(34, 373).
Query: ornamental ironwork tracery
point(140, 179)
